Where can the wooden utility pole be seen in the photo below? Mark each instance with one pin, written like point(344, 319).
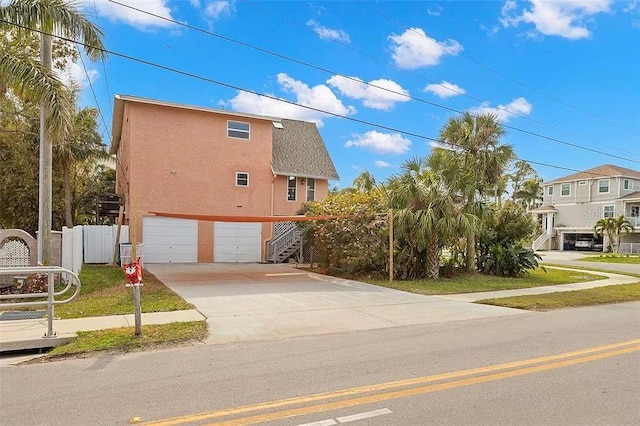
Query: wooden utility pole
point(45, 168)
point(390, 219)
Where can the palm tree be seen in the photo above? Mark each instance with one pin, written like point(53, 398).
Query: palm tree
point(530, 193)
point(364, 182)
point(428, 211)
point(83, 144)
point(35, 80)
point(613, 228)
point(476, 154)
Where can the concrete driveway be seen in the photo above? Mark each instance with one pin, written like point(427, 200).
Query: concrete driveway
point(572, 259)
point(257, 302)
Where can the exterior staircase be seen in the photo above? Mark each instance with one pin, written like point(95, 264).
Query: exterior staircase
point(286, 242)
point(540, 241)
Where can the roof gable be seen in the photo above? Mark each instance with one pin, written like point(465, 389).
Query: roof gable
point(298, 150)
point(606, 170)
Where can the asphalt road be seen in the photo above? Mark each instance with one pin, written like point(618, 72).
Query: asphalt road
point(567, 367)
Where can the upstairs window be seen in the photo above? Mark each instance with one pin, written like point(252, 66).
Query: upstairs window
point(628, 184)
point(603, 186)
point(311, 189)
point(238, 130)
point(582, 183)
point(242, 179)
point(550, 190)
point(291, 188)
point(565, 189)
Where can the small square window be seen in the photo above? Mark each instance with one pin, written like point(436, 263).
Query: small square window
point(565, 189)
point(242, 179)
point(603, 186)
point(550, 190)
point(238, 130)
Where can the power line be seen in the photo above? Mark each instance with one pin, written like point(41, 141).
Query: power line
point(238, 88)
point(95, 98)
point(392, 65)
point(493, 70)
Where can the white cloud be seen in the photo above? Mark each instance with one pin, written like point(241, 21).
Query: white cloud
point(330, 33)
point(382, 164)
point(444, 89)
point(414, 49)
point(320, 97)
point(372, 97)
point(217, 8)
point(631, 6)
point(132, 17)
point(518, 106)
point(74, 73)
point(381, 143)
point(437, 11)
point(566, 18)
point(195, 3)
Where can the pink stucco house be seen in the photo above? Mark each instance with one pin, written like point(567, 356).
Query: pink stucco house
point(184, 159)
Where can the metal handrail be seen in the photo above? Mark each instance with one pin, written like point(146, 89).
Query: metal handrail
point(72, 280)
point(279, 245)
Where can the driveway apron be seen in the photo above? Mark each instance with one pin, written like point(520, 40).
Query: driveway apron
point(245, 302)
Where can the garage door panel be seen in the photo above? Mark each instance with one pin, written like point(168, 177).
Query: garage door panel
point(168, 240)
point(237, 242)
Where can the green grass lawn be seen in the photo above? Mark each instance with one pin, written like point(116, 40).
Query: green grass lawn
point(123, 339)
point(479, 282)
point(103, 293)
point(613, 258)
point(600, 268)
point(593, 296)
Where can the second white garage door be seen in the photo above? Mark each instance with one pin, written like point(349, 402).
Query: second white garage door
point(237, 242)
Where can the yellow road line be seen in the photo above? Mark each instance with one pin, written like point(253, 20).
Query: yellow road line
point(417, 391)
point(383, 386)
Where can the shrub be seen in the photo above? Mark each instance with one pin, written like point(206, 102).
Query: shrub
point(508, 260)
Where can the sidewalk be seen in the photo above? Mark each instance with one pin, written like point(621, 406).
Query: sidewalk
point(28, 334)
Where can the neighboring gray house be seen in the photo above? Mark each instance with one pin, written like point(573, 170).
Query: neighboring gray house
point(573, 204)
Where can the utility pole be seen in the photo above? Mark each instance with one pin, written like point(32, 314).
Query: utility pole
point(45, 172)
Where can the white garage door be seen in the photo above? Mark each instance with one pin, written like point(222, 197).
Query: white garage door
point(237, 242)
point(168, 240)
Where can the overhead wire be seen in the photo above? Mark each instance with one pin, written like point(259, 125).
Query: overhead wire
point(238, 88)
point(419, 76)
point(491, 69)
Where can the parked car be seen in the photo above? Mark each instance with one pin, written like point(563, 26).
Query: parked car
point(585, 243)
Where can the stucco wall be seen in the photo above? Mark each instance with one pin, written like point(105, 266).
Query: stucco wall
point(281, 206)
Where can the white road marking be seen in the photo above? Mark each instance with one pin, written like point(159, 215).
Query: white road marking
point(283, 274)
point(329, 422)
point(366, 415)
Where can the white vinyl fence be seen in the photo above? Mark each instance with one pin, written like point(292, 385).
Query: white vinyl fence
point(90, 244)
point(629, 248)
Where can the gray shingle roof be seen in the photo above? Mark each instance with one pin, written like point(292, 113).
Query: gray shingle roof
point(601, 171)
point(298, 150)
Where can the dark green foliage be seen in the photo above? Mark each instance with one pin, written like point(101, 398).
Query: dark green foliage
point(509, 260)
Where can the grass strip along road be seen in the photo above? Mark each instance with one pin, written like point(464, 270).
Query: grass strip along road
point(346, 398)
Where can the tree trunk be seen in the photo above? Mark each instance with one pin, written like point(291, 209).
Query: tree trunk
point(470, 258)
point(432, 269)
point(68, 216)
point(45, 183)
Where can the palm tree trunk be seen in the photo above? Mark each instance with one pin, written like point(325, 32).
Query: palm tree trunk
point(68, 217)
point(46, 154)
point(432, 269)
point(470, 258)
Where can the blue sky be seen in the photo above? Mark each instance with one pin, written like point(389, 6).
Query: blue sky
point(568, 70)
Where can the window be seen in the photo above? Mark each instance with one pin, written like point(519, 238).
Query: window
point(311, 189)
point(582, 182)
point(565, 189)
point(609, 211)
point(550, 190)
point(242, 179)
point(603, 186)
point(291, 188)
point(236, 129)
point(635, 211)
point(628, 184)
